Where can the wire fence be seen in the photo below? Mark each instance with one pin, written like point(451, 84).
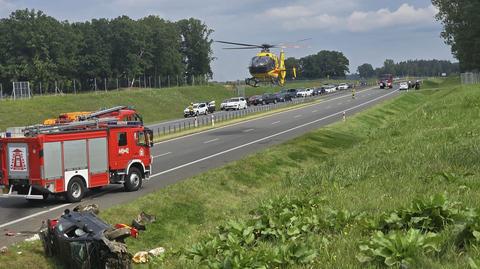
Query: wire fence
point(75, 86)
point(470, 78)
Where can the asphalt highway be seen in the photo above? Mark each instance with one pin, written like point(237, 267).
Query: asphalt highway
point(180, 158)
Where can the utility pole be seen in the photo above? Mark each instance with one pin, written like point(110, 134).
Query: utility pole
point(105, 84)
point(74, 87)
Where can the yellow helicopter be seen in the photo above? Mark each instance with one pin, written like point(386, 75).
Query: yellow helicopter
point(266, 66)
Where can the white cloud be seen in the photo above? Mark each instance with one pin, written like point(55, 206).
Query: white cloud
point(356, 21)
point(382, 18)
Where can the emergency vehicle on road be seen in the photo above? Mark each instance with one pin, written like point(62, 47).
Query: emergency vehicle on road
point(71, 158)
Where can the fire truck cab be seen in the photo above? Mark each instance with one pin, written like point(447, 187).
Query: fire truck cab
point(72, 158)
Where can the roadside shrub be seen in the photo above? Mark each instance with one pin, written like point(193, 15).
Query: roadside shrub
point(398, 248)
point(430, 215)
point(282, 224)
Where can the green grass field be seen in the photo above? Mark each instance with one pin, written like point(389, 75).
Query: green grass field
point(321, 200)
point(153, 104)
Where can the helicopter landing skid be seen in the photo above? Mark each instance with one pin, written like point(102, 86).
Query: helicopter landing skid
point(252, 82)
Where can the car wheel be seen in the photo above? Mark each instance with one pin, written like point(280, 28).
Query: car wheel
point(264, 103)
point(133, 181)
point(75, 190)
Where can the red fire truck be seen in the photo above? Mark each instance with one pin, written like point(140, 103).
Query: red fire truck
point(71, 158)
point(386, 81)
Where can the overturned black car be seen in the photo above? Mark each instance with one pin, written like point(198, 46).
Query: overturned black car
point(82, 240)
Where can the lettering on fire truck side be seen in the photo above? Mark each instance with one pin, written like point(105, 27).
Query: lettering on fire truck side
point(123, 151)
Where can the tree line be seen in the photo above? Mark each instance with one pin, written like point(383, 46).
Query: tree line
point(418, 68)
point(461, 30)
point(38, 48)
point(324, 64)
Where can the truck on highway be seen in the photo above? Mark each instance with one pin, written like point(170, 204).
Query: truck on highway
point(69, 159)
point(386, 81)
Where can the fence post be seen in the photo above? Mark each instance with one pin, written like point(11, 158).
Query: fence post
point(196, 122)
point(213, 121)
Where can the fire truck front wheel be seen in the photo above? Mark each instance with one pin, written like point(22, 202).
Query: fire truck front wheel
point(75, 190)
point(133, 182)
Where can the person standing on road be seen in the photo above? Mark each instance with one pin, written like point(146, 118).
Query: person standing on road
point(353, 93)
point(190, 108)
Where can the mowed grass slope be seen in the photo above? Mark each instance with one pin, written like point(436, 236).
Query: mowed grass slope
point(420, 144)
point(153, 104)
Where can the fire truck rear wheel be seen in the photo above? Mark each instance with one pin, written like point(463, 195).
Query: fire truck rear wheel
point(133, 182)
point(75, 190)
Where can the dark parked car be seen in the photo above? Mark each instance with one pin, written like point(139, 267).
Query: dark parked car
point(255, 100)
point(316, 91)
point(269, 98)
point(284, 97)
point(291, 92)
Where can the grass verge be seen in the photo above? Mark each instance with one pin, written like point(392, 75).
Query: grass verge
point(344, 176)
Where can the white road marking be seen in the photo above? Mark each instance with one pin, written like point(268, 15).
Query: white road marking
point(268, 137)
point(161, 155)
point(248, 130)
point(212, 156)
point(33, 215)
point(298, 116)
point(210, 141)
point(314, 111)
point(277, 122)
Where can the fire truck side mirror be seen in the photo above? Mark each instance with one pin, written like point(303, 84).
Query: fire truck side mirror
point(151, 144)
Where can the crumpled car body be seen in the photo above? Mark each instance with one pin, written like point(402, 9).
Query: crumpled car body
point(82, 240)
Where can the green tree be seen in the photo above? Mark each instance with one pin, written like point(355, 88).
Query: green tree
point(196, 48)
point(332, 64)
point(366, 71)
point(461, 30)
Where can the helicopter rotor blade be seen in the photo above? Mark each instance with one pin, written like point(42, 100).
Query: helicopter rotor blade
point(237, 44)
point(294, 45)
point(246, 48)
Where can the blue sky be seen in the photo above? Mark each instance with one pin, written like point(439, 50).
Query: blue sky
point(366, 31)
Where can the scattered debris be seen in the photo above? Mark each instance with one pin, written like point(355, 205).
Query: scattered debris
point(33, 238)
point(141, 257)
point(144, 256)
point(141, 220)
point(87, 208)
point(145, 218)
point(3, 250)
point(156, 251)
point(9, 233)
point(19, 253)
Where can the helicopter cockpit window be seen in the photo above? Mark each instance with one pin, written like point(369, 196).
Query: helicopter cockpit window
point(262, 61)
